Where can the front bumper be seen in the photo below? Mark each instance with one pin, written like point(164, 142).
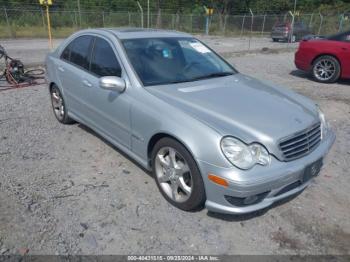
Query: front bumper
point(277, 181)
point(279, 35)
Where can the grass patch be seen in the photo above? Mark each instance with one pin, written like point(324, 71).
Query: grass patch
point(34, 32)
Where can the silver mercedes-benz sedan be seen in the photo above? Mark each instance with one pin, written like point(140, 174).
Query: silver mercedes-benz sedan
point(210, 135)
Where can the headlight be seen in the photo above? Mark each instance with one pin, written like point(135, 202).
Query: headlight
point(244, 156)
point(324, 124)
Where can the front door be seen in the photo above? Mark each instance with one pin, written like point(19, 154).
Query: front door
point(109, 110)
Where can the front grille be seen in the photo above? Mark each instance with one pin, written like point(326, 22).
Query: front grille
point(301, 143)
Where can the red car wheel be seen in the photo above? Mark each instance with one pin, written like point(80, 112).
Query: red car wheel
point(326, 69)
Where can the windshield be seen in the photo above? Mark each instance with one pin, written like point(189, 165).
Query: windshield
point(159, 61)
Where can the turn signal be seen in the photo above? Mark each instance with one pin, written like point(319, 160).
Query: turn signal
point(218, 180)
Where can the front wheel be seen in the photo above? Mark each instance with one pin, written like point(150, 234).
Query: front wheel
point(177, 175)
point(326, 69)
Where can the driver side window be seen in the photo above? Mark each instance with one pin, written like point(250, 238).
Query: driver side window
point(103, 60)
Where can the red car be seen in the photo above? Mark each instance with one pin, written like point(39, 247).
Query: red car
point(327, 59)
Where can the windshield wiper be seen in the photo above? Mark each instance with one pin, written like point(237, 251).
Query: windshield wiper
point(213, 75)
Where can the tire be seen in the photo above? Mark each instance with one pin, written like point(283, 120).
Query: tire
point(59, 106)
point(326, 69)
point(165, 176)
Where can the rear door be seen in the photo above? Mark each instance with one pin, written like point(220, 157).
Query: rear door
point(109, 111)
point(73, 68)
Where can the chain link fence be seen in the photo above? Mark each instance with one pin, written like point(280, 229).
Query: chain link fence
point(17, 23)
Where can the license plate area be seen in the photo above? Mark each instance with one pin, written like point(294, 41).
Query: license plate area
point(312, 170)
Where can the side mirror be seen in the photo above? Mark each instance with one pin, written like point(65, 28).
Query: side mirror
point(113, 83)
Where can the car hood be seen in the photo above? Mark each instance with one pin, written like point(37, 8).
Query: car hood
point(241, 106)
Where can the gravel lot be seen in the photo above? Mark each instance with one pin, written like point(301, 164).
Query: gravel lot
point(63, 190)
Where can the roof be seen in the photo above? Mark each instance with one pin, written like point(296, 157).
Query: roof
point(128, 33)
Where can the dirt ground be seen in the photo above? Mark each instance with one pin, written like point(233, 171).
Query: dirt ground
point(64, 190)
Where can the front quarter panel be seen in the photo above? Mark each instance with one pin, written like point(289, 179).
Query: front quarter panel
point(151, 116)
point(51, 75)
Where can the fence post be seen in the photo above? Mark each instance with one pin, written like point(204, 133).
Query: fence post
point(8, 23)
point(263, 26)
point(251, 27)
point(191, 20)
point(321, 22)
point(312, 16)
point(242, 26)
point(177, 21)
point(292, 31)
point(79, 13)
point(43, 17)
point(225, 21)
point(129, 17)
point(75, 19)
point(173, 21)
point(341, 23)
point(141, 9)
point(103, 18)
point(285, 17)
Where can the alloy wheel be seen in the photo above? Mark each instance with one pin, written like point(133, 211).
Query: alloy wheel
point(57, 103)
point(324, 69)
point(173, 174)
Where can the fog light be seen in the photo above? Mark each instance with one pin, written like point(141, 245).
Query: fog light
point(250, 200)
point(246, 201)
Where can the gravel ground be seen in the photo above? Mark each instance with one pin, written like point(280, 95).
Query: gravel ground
point(64, 190)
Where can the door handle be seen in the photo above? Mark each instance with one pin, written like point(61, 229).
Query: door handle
point(87, 83)
point(344, 48)
point(61, 68)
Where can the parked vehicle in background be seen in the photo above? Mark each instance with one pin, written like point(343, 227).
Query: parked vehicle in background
point(184, 113)
point(283, 31)
point(326, 59)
